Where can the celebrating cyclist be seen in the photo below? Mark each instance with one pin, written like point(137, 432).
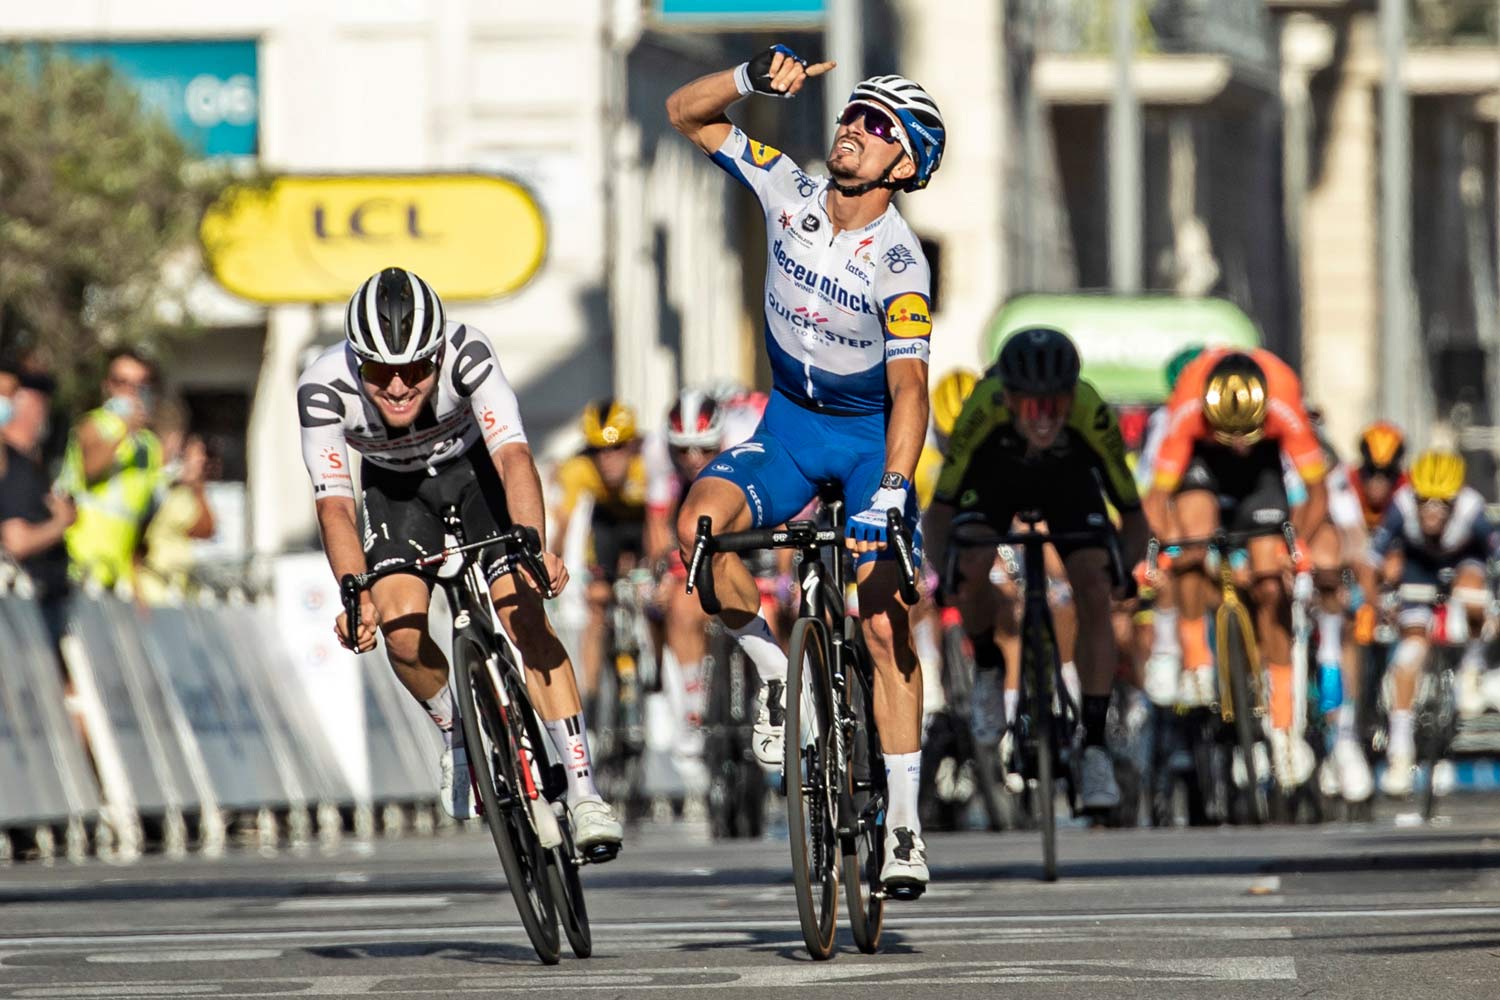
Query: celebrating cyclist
point(611, 474)
point(424, 401)
point(1234, 415)
point(848, 320)
point(1435, 526)
point(1034, 436)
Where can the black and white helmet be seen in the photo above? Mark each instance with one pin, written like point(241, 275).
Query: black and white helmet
point(394, 318)
point(919, 117)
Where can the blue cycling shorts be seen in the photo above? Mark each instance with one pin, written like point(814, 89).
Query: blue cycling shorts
point(794, 449)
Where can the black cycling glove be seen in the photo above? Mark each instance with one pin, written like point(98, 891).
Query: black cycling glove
point(754, 77)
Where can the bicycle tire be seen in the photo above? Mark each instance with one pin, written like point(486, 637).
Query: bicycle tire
point(1035, 676)
point(515, 840)
point(1432, 734)
point(809, 793)
point(865, 850)
point(1244, 715)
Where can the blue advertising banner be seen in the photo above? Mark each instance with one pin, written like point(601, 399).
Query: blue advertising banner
point(739, 13)
point(208, 90)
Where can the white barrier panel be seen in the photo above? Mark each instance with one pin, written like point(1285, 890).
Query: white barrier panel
point(400, 769)
point(43, 777)
point(329, 677)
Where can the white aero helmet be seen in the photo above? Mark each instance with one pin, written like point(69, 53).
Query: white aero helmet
point(394, 318)
point(696, 420)
point(919, 117)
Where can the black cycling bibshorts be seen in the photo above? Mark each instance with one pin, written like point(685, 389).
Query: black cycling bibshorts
point(1250, 487)
point(404, 511)
point(1065, 488)
point(614, 534)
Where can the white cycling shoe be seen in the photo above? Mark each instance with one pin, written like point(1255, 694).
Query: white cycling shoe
point(1396, 782)
point(769, 732)
point(904, 873)
point(1355, 781)
point(1098, 789)
point(595, 825)
point(1292, 760)
point(457, 789)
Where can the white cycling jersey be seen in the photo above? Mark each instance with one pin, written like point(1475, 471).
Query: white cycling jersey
point(838, 307)
point(472, 402)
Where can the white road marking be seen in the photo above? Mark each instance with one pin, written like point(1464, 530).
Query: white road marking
point(895, 975)
point(324, 904)
point(604, 928)
point(183, 955)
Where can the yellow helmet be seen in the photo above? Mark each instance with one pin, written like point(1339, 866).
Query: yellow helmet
point(1235, 398)
point(949, 396)
point(1437, 475)
point(608, 423)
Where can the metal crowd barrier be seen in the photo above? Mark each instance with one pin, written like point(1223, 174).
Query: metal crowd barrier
point(45, 780)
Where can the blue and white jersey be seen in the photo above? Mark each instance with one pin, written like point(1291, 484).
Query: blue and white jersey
point(838, 307)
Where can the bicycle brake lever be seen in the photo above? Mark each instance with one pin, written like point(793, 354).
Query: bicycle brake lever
point(705, 586)
point(349, 593)
point(896, 529)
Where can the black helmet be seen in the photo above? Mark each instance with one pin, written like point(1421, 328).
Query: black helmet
point(1038, 361)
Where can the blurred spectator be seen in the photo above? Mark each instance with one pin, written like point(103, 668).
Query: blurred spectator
point(30, 423)
point(182, 512)
point(113, 469)
point(32, 517)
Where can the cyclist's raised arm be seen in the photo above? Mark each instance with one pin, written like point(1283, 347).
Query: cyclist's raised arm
point(697, 109)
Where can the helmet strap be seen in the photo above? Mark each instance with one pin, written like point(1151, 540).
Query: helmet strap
point(883, 181)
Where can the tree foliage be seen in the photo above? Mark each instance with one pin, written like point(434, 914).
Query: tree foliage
point(97, 195)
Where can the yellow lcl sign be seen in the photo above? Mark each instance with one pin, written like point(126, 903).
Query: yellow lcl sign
point(314, 239)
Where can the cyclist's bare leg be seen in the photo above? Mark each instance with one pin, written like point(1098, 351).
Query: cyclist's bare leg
point(1196, 515)
point(418, 662)
point(1097, 652)
point(885, 622)
point(685, 623)
point(1064, 612)
point(1273, 623)
point(723, 502)
point(598, 595)
point(549, 673)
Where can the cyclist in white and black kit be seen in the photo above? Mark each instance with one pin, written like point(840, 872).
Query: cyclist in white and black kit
point(426, 405)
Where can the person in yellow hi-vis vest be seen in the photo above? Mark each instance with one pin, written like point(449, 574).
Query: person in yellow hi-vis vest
point(112, 468)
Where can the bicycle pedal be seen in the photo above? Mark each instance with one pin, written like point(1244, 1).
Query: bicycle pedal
point(600, 853)
point(902, 892)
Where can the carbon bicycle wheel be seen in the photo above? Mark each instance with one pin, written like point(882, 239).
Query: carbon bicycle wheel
point(1036, 672)
point(811, 786)
point(1436, 719)
point(865, 775)
point(494, 758)
point(1244, 715)
point(562, 867)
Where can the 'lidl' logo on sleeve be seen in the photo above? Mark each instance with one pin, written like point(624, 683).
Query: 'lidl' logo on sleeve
point(908, 316)
point(758, 154)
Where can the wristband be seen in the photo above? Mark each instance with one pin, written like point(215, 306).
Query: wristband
point(742, 79)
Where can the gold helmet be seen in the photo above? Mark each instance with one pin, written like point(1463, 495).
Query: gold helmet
point(949, 396)
point(1235, 398)
point(608, 423)
point(1437, 475)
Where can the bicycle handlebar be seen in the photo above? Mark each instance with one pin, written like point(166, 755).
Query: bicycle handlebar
point(796, 535)
point(521, 540)
point(964, 537)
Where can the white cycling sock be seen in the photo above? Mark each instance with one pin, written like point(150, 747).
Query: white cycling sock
point(760, 645)
point(1345, 726)
point(572, 744)
point(1012, 699)
point(1402, 744)
point(903, 774)
point(1164, 640)
point(442, 710)
point(1330, 637)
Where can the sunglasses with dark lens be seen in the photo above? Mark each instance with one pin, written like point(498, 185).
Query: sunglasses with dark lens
point(691, 451)
point(1041, 407)
point(378, 373)
point(877, 122)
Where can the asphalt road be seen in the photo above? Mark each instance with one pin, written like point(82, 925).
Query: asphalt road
point(1384, 909)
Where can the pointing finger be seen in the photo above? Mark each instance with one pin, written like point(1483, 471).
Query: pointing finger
point(818, 69)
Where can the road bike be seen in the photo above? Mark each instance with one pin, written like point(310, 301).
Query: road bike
point(1044, 733)
point(834, 776)
point(521, 789)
